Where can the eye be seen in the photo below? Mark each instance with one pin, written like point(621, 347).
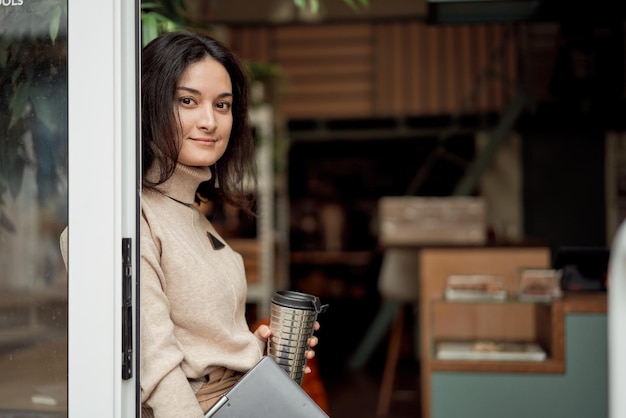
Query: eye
point(187, 101)
point(223, 105)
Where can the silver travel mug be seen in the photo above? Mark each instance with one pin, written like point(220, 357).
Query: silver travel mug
point(292, 318)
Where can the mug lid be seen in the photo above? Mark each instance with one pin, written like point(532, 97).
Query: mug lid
point(298, 300)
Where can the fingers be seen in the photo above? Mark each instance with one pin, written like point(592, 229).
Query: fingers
point(263, 332)
point(313, 341)
point(309, 354)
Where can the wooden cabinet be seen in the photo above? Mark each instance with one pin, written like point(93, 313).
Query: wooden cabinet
point(543, 323)
point(489, 323)
point(437, 263)
point(578, 389)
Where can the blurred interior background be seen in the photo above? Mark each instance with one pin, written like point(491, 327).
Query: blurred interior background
point(517, 103)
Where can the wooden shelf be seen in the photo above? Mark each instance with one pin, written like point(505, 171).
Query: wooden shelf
point(539, 322)
point(584, 302)
point(437, 263)
point(571, 303)
point(547, 366)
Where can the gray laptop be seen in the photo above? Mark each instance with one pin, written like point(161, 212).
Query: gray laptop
point(266, 391)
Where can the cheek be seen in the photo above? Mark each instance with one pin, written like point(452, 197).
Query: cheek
point(179, 127)
point(227, 125)
point(185, 122)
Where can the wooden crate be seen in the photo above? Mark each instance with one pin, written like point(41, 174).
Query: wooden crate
point(407, 220)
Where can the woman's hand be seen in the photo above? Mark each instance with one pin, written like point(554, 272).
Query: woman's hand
point(263, 332)
point(312, 342)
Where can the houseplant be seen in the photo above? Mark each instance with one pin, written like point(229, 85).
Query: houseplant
point(33, 99)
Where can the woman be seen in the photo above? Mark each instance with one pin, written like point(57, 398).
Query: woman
point(195, 342)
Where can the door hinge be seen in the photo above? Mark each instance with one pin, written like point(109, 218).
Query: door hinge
point(127, 308)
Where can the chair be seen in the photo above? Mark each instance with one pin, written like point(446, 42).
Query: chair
point(398, 283)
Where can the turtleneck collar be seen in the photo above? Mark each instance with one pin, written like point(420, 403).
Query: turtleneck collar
point(184, 182)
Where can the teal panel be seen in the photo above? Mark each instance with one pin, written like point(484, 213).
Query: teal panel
point(581, 392)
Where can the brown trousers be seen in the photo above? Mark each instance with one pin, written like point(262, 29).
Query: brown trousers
point(219, 382)
point(208, 390)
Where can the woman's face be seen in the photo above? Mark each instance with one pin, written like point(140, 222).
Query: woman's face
point(203, 104)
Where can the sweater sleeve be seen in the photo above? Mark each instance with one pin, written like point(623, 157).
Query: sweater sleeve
point(164, 386)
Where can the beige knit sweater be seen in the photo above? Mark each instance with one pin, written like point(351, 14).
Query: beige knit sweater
point(192, 299)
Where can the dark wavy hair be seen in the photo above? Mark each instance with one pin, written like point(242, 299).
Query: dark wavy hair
point(163, 62)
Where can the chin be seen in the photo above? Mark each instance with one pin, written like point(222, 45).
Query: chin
point(199, 162)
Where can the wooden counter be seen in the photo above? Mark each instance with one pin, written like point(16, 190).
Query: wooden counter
point(540, 322)
point(550, 323)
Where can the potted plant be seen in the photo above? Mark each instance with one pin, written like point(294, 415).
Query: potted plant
point(33, 102)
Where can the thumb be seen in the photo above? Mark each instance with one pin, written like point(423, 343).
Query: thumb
point(263, 331)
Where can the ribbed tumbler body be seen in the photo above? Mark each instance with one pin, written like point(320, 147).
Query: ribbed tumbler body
point(292, 318)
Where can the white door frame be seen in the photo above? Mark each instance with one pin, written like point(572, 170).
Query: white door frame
point(616, 318)
point(102, 102)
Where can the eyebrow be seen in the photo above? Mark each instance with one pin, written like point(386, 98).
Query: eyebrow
point(194, 91)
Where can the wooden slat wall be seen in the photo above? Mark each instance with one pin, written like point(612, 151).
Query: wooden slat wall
point(397, 69)
point(253, 43)
point(329, 69)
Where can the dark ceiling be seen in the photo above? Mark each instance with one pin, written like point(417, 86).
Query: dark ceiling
point(240, 12)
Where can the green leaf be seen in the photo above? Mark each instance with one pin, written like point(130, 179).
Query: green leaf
point(354, 6)
point(18, 103)
point(149, 28)
point(314, 6)
point(16, 74)
point(13, 163)
point(46, 111)
point(170, 26)
point(150, 6)
point(351, 4)
point(55, 23)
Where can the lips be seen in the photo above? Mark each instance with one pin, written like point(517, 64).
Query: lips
point(204, 140)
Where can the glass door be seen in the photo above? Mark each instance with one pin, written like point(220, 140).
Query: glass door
point(68, 159)
point(33, 208)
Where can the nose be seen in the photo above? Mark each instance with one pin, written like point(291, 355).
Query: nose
point(206, 119)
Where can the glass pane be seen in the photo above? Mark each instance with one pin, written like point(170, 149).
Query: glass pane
point(33, 208)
